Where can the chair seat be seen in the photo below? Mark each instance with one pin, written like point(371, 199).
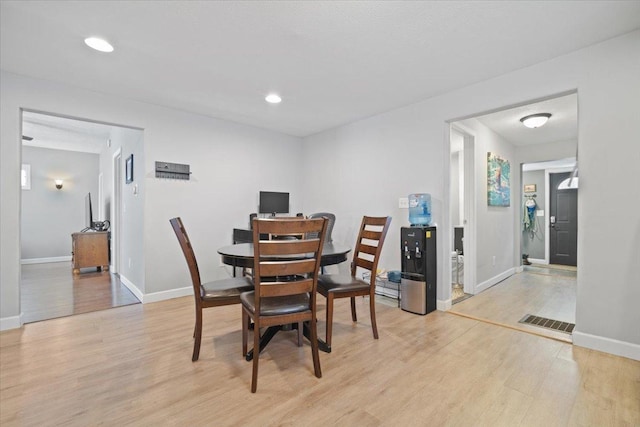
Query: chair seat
point(225, 288)
point(276, 306)
point(340, 283)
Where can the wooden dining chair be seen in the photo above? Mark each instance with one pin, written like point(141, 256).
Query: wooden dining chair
point(366, 256)
point(211, 294)
point(285, 276)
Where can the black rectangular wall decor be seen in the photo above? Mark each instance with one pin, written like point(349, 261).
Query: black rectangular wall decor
point(172, 171)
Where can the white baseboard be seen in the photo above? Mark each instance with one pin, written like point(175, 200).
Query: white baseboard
point(156, 296)
point(133, 288)
point(444, 304)
point(537, 261)
point(520, 269)
point(165, 295)
point(45, 260)
point(494, 280)
point(607, 345)
point(13, 322)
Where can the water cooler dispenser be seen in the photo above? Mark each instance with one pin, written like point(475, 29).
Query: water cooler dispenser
point(418, 274)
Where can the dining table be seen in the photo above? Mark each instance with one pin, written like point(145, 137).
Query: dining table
point(241, 255)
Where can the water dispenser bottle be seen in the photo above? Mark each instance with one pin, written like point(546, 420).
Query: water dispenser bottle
point(420, 209)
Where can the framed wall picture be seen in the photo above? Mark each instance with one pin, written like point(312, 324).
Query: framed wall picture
point(529, 188)
point(498, 181)
point(129, 169)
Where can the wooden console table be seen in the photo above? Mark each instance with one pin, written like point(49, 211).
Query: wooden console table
point(90, 249)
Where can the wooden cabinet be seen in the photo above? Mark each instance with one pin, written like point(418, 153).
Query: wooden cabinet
point(90, 249)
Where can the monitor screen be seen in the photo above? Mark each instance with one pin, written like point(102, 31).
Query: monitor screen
point(273, 202)
point(88, 213)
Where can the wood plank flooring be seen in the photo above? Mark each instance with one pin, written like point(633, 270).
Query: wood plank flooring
point(132, 366)
point(51, 290)
point(544, 292)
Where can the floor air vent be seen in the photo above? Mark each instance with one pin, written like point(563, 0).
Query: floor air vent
point(543, 322)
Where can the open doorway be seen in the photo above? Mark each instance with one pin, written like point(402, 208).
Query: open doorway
point(68, 165)
point(507, 290)
point(462, 215)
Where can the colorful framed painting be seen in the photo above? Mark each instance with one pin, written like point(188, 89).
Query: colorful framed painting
point(498, 181)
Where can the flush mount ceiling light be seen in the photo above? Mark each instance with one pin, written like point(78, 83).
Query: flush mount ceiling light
point(98, 44)
point(273, 98)
point(535, 120)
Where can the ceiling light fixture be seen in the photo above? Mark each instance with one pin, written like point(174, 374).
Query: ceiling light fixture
point(535, 120)
point(59, 183)
point(98, 44)
point(272, 98)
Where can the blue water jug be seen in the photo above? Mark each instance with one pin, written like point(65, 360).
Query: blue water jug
point(420, 209)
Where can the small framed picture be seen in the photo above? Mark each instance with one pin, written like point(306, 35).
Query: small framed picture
point(529, 188)
point(129, 170)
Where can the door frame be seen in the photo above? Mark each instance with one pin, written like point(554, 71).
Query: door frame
point(469, 222)
point(547, 185)
point(116, 211)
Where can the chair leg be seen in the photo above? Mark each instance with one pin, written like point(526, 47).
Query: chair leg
point(256, 356)
point(245, 332)
point(300, 334)
point(314, 348)
point(197, 334)
point(353, 309)
point(329, 318)
point(372, 308)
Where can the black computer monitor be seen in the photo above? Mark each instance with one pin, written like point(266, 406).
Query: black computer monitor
point(274, 202)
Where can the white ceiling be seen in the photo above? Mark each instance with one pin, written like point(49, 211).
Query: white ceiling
point(332, 62)
point(561, 126)
point(61, 133)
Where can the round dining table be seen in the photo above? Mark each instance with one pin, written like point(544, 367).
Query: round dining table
point(241, 255)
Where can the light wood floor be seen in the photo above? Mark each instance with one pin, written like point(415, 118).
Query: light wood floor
point(51, 290)
point(541, 291)
point(132, 366)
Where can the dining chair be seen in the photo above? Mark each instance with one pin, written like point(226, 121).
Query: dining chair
point(366, 256)
point(211, 294)
point(331, 221)
point(285, 276)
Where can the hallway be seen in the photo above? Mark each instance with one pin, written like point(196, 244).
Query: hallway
point(541, 290)
point(50, 290)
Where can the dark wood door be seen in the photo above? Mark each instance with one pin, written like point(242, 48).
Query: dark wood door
point(563, 222)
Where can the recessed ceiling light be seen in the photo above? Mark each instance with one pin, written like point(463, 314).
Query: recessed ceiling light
point(98, 44)
point(535, 120)
point(272, 98)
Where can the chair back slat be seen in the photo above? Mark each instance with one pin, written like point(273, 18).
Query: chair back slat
point(368, 249)
point(288, 247)
point(363, 263)
point(282, 268)
point(277, 289)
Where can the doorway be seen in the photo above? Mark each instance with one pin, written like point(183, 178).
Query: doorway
point(502, 292)
point(462, 214)
point(563, 219)
point(75, 155)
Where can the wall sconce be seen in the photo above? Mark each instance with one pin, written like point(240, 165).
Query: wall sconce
point(58, 183)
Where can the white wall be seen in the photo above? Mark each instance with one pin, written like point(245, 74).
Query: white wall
point(132, 257)
point(376, 160)
point(231, 163)
point(364, 167)
point(495, 240)
point(49, 215)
